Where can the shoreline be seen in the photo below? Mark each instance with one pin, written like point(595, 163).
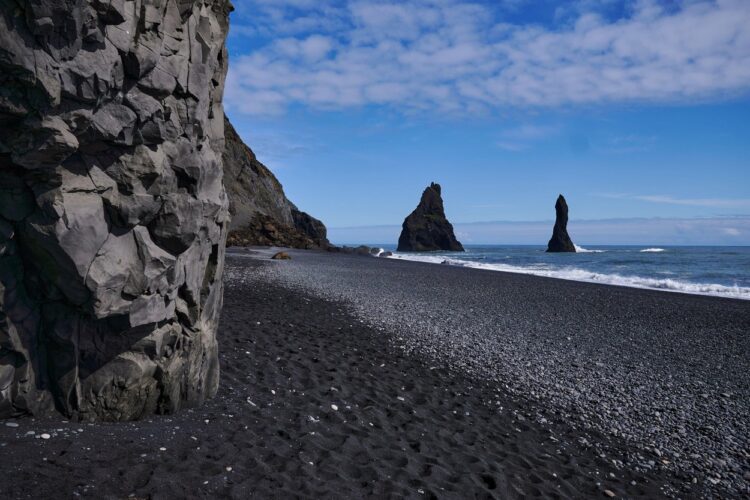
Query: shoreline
point(619, 280)
point(666, 372)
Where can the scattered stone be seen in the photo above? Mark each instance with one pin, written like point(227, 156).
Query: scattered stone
point(609, 493)
point(281, 256)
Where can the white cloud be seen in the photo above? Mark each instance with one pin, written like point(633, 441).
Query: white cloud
point(524, 136)
point(696, 202)
point(671, 200)
point(455, 56)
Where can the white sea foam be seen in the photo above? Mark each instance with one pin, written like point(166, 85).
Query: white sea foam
point(576, 274)
point(652, 250)
point(586, 250)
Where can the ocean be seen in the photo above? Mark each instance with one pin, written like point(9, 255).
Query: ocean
point(717, 271)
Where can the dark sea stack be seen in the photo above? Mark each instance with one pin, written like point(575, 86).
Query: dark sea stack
point(426, 229)
point(560, 241)
point(262, 215)
point(113, 213)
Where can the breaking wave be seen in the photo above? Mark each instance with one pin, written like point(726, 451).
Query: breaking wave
point(652, 250)
point(576, 274)
point(586, 250)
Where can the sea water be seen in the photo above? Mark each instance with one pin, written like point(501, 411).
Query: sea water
point(718, 271)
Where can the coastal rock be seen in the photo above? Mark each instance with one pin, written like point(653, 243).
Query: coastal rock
point(113, 213)
point(262, 215)
point(560, 241)
point(281, 256)
point(426, 228)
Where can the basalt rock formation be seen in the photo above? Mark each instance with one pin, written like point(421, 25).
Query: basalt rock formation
point(262, 215)
point(560, 241)
point(426, 228)
point(113, 213)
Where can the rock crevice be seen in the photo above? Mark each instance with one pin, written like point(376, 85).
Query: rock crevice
point(113, 213)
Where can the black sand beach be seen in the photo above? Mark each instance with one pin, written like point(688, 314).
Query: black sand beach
point(427, 381)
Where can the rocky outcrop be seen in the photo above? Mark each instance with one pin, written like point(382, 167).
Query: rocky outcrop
point(113, 213)
point(426, 229)
point(262, 215)
point(560, 241)
point(264, 230)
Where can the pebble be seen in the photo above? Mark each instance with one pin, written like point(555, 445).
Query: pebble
point(334, 408)
point(609, 493)
point(45, 436)
point(162, 449)
point(11, 424)
point(455, 329)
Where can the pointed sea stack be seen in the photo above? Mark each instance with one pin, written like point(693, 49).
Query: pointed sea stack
point(560, 241)
point(426, 229)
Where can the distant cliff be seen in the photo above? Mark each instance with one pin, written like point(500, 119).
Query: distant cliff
point(560, 241)
point(426, 228)
point(261, 213)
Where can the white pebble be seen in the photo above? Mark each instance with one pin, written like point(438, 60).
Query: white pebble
point(335, 408)
point(162, 449)
point(45, 436)
point(11, 424)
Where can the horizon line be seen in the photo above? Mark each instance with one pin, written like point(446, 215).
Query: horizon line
point(548, 221)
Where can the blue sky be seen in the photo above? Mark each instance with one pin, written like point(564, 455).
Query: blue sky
point(635, 110)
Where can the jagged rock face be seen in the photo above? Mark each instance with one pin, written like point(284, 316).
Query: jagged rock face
point(426, 229)
point(113, 213)
point(262, 215)
point(560, 241)
point(264, 230)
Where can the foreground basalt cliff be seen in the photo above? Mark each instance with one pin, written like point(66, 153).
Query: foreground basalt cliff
point(261, 213)
point(560, 241)
point(113, 214)
point(426, 228)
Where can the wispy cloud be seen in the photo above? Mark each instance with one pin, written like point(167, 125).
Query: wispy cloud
point(631, 143)
point(672, 200)
point(524, 136)
point(458, 56)
point(697, 202)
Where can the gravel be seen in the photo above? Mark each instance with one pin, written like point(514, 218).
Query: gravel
point(665, 372)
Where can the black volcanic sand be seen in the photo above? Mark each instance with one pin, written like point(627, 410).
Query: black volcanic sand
point(668, 373)
point(315, 404)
